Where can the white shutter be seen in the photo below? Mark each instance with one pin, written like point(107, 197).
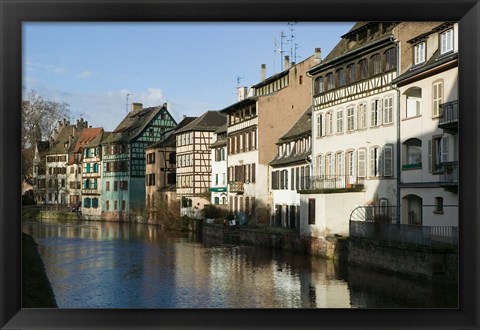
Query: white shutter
point(379, 162)
point(323, 125)
point(372, 114)
point(379, 112)
point(372, 162)
point(361, 164)
point(388, 160)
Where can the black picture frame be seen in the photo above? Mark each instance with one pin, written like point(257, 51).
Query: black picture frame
point(14, 12)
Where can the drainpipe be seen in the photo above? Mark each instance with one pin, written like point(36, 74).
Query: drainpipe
point(399, 172)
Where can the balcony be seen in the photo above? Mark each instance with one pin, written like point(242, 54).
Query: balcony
point(329, 182)
point(236, 187)
point(90, 191)
point(449, 176)
point(449, 118)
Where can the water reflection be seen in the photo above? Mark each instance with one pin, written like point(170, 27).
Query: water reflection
point(118, 265)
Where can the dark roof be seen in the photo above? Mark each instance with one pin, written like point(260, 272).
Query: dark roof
point(292, 158)
point(302, 127)
point(435, 61)
point(169, 138)
point(222, 129)
point(87, 136)
point(219, 143)
point(272, 78)
point(133, 124)
point(185, 121)
point(105, 136)
point(240, 104)
point(209, 121)
point(95, 142)
point(343, 49)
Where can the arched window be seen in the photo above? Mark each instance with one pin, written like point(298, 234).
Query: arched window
point(412, 149)
point(341, 77)
point(352, 73)
point(330, 82)
point(318, 87)
point(390, 59)
point(363, 64)
point(376, 64)
point(414, 97)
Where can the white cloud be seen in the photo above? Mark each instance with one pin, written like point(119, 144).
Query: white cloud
point(85, 74)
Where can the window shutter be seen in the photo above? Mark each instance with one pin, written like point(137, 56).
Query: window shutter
point(372, 114)
point(361, 164)
point(323, 125)
point(445, 149)
point(379, 112)
point(380, 162)
point(388, 160)
point(372, 162)
point(429, 144)
point(253, 172)
point(355, 118)
point(286, 180)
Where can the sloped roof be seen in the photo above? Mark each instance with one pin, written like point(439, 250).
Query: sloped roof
point(209, 121)
point(292, 158)
point(68, 133)
point(302, 127)
point(133, 124)
point(95, 142)
point(88, 135)
point(222, 129)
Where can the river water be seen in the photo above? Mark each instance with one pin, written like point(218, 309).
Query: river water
point(121, 265)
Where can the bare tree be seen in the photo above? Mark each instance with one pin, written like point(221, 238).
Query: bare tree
point(39, 118)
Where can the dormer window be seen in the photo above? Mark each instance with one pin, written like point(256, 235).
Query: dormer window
point(330, 83)
point(419, 53)
point(446, 41)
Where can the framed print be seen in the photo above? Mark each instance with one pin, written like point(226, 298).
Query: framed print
point(391, 83)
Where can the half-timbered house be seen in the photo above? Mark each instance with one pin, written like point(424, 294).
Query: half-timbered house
point(193, 160)
point(123, 160)
point(255, 124)
point(355, 127)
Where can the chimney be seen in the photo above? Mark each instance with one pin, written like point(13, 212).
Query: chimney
point(241, 93)
point(318, 55)
point(263, 72)
point(136, 107)
point(165, 105)
point(184, 116)
point(286, 63)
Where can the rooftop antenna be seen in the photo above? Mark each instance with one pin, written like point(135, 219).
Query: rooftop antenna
point(126, 105)
point(292, 42)
point(280, 51)
point(238, 80)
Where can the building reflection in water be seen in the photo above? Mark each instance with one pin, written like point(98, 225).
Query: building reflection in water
point(119, 265)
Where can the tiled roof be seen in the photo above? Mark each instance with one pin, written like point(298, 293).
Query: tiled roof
point(209, 121)
point(68, 133)
point(96, 141)
point(132, 125)
point(88, 135)
point(292, 158)
point(302, 127)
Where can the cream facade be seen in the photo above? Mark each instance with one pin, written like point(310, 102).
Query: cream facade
point(429, 130)
point(218, 184)
point(355, 127)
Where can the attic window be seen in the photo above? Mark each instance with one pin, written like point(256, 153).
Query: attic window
point(150, 132)
point(446, 41)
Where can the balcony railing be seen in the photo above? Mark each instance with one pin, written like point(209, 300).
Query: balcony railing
point(333, 182)
point(449, 117)
point(432, 236)
point(236, 187)
point(450, 172)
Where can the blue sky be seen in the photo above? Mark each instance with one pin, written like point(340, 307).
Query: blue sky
point(191, 66)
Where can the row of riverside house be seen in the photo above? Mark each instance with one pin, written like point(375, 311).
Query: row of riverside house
point(370, 132)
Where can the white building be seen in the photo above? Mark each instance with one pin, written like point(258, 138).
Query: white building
point(289, 168)
point(429, 129)
point(355, 127)
point(218, 184)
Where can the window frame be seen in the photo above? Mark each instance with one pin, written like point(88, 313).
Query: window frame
point(441, 41)
point(419, 53)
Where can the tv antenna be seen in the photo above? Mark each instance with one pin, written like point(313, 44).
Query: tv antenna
point(293, 45)
point(279, 50)
point(238, 80)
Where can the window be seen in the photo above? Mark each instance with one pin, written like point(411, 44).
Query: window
point(115, 185)
point(340, 164)
point(413, 153)
point(363, 64)
point(123, 205)
point(414, 96)
point(107, 186)
point(341, 77)
point(446, 41)
point(437, 153)
point(320, 125)
point(95, 203)
point(438, 205)
point(115, 205)
point(362, 116)
point(388, 160)
point(318, 86)
point(311, 211)
point(388, 110)
point(437, 98)
point(329, 124)
point(375, 162)
point(320, 166)
point(330, 82)
point(352, 74)
point(351, 169)
point(390, 59)
point(340, 121)
point(376, 113)
point(419, 53)
point(107, 205)
point(376, 64)
point(351, 120)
